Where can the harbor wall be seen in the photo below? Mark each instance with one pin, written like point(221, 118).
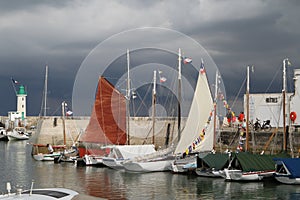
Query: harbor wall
point(141, 132)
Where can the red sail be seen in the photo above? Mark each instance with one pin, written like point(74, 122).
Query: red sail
point(107, 124)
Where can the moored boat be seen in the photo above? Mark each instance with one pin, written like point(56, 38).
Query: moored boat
point(287, 170)
point(18, 133)
point(121, 153)
point(244, 166)
point(104, 128)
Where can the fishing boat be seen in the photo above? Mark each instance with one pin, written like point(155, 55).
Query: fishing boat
point(287, 170)
point(18, 133)
point(106, 126)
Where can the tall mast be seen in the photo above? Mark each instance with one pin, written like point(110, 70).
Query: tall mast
point(128, 99)
point(247, 109)
point(45, 91)
point(215, 105)
point(283, 103)
point(153, 106)
point(179, 93)
point(63, 106)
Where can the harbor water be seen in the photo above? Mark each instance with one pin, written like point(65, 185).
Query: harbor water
point(18, 167)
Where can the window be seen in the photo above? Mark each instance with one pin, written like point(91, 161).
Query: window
point(272, 100)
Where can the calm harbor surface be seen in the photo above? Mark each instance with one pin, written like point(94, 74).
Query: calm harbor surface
point(18, 167)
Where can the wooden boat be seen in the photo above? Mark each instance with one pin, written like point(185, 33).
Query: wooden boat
point(40, 152)
point(287, 170)
point(106, 126)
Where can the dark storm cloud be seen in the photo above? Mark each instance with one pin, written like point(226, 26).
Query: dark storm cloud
point(236, 33)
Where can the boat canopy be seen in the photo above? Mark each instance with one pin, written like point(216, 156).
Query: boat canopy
point(217, 161)
point(249, 162)
point(292, 164)
point(131, 151)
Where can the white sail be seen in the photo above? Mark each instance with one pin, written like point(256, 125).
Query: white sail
point(200, 110)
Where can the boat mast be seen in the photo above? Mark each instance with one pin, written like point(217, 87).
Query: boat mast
point(247, 109)
point(179, 94)
point(153, 106)
point(128, 98)
point(63, 105)
point(215, 105)
point(283, 103)
point(45, 91)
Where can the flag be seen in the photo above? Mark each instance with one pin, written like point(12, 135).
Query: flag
point(163, 79)
point(69, 113)
point(187, 60)
point(14, 81)
point(202, 69)
point(289, 63)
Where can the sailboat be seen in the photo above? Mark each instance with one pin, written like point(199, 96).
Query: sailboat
point(245, 166)
point(162, 160)
point(198, 135)
point(106, 126)
point(61, 152)
point(40, 151)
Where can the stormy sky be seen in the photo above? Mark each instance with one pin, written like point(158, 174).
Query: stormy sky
point(64, 34)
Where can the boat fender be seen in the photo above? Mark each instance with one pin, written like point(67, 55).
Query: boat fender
point(293, 116)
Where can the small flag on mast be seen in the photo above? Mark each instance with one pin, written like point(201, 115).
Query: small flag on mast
point(187, 60)
point(69, 113)
point(14, 81)
point(163, 79)
point(202, 69)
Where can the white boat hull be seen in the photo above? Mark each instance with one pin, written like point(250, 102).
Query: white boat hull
point(90, 160)
point(148, 166)
point(288, 180)
point(113, 163)
point(45, 157)
point(238, 175)
point(42, 194)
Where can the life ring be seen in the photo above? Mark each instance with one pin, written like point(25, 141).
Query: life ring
point(293, 116)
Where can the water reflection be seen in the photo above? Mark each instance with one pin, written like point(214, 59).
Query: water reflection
point(18, 167)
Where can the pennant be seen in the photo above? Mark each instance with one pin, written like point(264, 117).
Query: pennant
point(202, 69)
point(14, 81)
point(187, 60)
point(163, 79)
point(69, 113)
